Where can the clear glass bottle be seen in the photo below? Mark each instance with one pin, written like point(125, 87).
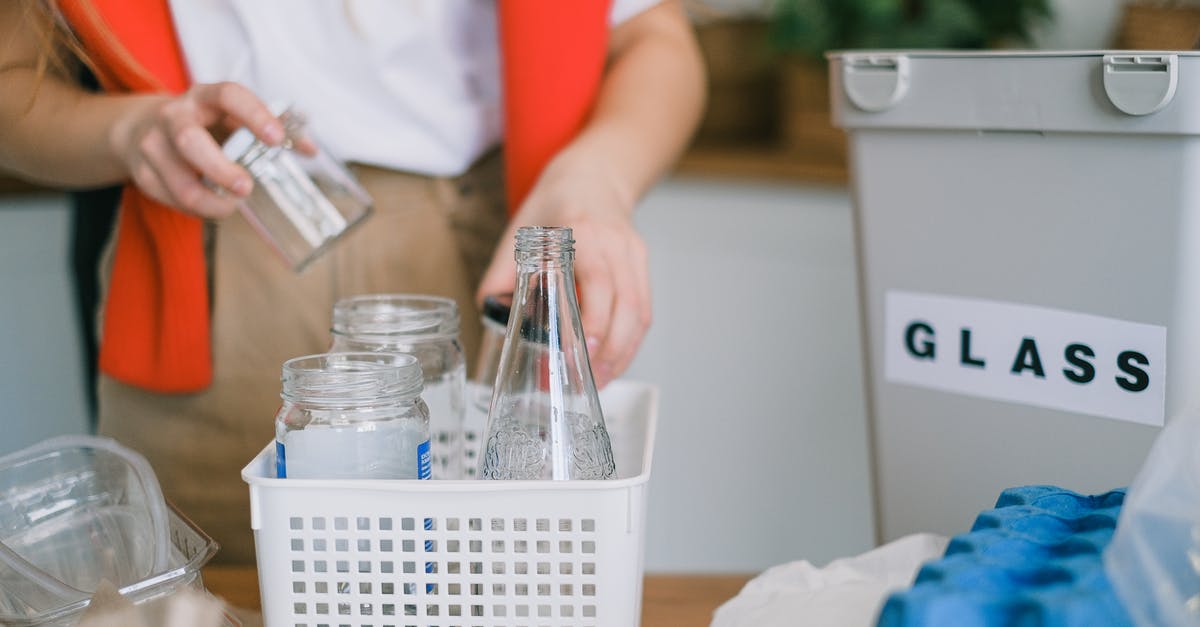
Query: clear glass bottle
point(425, 327)
point(352, 416)
point(545, 420)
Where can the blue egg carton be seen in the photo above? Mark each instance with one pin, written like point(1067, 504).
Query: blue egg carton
point(1032, 561)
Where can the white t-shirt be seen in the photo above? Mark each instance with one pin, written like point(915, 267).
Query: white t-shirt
point(410, 85)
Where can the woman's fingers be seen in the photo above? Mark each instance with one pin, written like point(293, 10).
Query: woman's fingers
point(182, 187)
point(198, 148)
point(217, 101)
point(615, 292)
point(175, 158)
point(597, 292)
point(633, 307)
point(204, 107)
point(624, 337)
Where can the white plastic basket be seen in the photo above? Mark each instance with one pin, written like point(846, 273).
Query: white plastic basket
point(441, 553)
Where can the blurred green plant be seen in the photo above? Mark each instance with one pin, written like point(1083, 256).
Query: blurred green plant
point(811, 27)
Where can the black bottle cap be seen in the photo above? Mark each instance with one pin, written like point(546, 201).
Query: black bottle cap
point(496, 308)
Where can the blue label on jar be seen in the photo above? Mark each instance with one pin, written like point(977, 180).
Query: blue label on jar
point(280, 460)
point(424, 462)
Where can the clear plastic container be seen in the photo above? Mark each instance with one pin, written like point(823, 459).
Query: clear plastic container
point(190, 550)
point(302, 202)
point(425, 327)
point(77, 510)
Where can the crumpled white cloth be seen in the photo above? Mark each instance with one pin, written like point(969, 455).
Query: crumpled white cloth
point(186, 607)
point(845, 593)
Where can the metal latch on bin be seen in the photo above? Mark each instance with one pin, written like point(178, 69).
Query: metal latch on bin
point(1139, 84)
point(875, 82)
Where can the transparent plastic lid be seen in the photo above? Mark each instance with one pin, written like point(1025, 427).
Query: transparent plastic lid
point(190, 550)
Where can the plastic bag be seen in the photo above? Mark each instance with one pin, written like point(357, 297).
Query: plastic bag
point(1154, 558)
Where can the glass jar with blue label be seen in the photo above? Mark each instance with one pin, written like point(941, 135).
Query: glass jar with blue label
point(352, 416)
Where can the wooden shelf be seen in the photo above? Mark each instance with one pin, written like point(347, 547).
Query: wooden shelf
point(762, 162)
point(666, 599)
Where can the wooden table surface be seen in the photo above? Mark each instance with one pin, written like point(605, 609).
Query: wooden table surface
point(667, 601)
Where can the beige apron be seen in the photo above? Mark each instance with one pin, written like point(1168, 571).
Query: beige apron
point(426, 236)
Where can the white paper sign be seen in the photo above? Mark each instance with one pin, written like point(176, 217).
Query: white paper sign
point(1037, 356)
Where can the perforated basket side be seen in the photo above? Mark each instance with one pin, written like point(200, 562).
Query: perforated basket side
point(496, 557)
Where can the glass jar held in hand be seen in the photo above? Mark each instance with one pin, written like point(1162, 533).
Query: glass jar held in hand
point(303, 200)
point(545, 420)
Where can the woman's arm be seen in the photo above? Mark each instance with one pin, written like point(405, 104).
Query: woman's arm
point(54, 132)
point(650, 101)
point(50, 129)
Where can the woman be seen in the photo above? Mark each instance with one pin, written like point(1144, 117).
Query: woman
point(198, 317)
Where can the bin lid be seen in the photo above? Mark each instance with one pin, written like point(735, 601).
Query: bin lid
point(1082, 91)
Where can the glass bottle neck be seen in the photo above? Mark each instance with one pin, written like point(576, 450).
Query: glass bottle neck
point(544, 248)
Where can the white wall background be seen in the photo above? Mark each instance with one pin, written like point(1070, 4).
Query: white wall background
point(41, 374)
point(762, 449)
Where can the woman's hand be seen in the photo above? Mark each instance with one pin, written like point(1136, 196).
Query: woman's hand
point(168, 145)
point(649, 102)
point(611, 265)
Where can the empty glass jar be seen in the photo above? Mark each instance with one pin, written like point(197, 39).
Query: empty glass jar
point(425, 327)
point(352, 416)
point(302, 201)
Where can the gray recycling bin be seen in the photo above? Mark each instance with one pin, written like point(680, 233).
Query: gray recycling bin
point(1028, 233)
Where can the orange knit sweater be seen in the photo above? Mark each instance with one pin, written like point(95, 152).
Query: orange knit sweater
point(156, 321)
